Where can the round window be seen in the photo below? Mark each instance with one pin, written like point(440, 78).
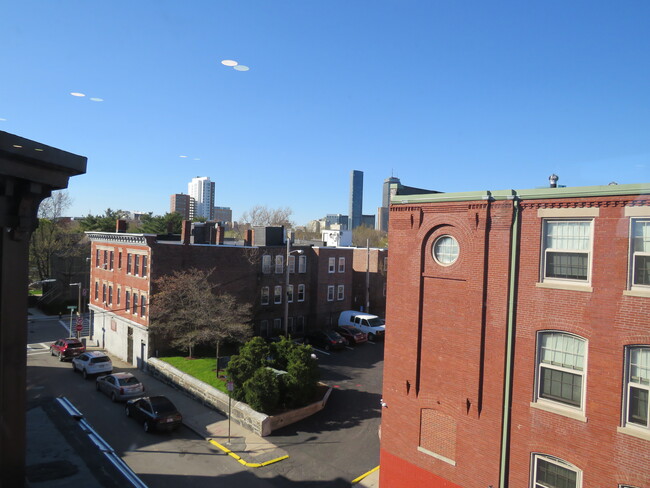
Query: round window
point(445, 250)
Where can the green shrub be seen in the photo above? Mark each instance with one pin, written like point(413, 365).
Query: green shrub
point(262, 391)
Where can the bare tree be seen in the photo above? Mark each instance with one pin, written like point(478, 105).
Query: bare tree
point(261, 215)
point(185, 310)
point(375, 238)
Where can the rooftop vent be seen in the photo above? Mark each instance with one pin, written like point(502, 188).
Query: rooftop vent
point(553, 180)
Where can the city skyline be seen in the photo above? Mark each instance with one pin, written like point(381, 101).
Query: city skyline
point(445, 96)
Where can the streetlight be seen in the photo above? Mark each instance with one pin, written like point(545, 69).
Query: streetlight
point(286, 285)
point(78, 306)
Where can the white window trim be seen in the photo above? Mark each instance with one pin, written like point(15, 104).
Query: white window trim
point(302, 264)
point(553, 460)
point(340, 292)
point(277, 297)
point(341, 265)
point(562, 283)
point(292, 264)
point(631, 285)
point(331, 265)
point(262, 301)
point(303, 293)
point(266, 264)
point(631, 426)
point(554, 406)
point(279, 264)
point(290, 294)
point(330, 293)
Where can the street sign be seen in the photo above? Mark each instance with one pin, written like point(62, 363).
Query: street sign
point(230, 386)
point(72, 307)
point(80, 324)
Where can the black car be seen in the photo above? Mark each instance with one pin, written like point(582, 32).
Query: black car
point(155, 413)
point(327, 339)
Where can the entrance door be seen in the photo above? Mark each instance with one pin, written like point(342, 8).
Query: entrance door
point(129, 345)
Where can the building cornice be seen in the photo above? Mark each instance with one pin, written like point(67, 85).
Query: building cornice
point(118, 238)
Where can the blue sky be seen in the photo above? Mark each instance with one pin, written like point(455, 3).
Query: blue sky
point(445, 94)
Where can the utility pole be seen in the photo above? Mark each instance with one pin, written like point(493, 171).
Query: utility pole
point(367, 276)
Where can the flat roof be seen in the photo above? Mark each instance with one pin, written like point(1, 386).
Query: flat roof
point(532, 194)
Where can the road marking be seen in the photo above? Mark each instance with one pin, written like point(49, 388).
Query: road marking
point(241, 461)
point(356, 480)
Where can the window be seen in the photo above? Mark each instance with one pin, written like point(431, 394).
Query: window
point(384, 292)
point(110, 295)
point(105, 259)
point(97, 254)
point(136, 265)
point(264, 328)
point(290, 294)
point(445, 250)
point(341, 265)
point(330, 293)
point(300, 325)
point(277, 294)
point(96, 290)
point(637, 386)
point(266, 264)
point(143, 306)
point(111, 260)
point(127, 301)
point(340, 292)
point(302, 264)
point(301, 293)
point(290, 325)
point(292, 264)
point(640, 262)
point(551, 472)
point(277, 324)
point(386, 264)
point(135, 303)
point(128, 263)
point(119, 292)
point(119, 260)
point(104, 293)
point(279, 264)
point(144, 265)
point(265, 295)
point(561, 368)
point(567, 249)
point(332, 265)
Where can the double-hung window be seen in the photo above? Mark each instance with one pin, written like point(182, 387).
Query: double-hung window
point(340, 292)
point(110, 294)
point(567, 250)
point(302, 264)
point(561, 368)
point(111, 260)
point(640, 259)
point(127, 301)
point(135, 303)
point(279, 264)
point(143, 306)
point(290, 294)
point(129, 257)
point(341, 265)
point(136, 266)
point(301, 293)
point(551, 472)
point(277, 294)
point(330, 293)
point(292, 264)
point(144, 265)
point(637, 386)
point(266, 264)
point(265, 295)
point(331, 268)
point(104, 293)
point(97, 254)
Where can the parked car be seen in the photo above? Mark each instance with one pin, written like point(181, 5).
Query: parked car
point(120, 386)
point(92, 362)
point(155, 413)
point(374, 326)
point(67, 348)
point(351, 334)
point(327, 339)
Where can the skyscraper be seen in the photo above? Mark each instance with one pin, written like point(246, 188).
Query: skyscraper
point(182, 204)
point(356, 198)
point(201, 189)
point(385, 203)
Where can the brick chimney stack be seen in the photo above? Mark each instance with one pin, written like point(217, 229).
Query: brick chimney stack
point(120, 226)
point(248, 237)
point(186, 233)
point(220, 233)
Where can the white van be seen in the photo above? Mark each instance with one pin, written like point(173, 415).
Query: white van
point(372, 325)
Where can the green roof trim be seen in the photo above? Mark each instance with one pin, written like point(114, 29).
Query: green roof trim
point(534, 194)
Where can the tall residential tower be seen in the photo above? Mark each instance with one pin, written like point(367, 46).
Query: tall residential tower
point(201, 189)
point(356, 199)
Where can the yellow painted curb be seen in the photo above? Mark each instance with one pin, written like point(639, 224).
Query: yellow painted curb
point(241, 461)
point(356, 480)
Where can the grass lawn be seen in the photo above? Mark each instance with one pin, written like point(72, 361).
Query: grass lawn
point(201, 368)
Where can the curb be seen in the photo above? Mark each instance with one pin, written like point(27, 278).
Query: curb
point(356, 480)
point(241, 461)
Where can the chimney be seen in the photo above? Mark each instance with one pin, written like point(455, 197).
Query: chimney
point(186, 232)
point(220, 233)
point(553, 180)
point(120, 226)
point(248, 237)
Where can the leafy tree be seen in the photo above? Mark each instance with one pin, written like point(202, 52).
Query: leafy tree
point(364, 234)
point(185, 309)
point(252, 356)
point(262, 390)
point(102, 223)
point(161, 224)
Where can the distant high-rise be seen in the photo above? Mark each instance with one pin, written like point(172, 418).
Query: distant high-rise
point(385, 203)
point(356, 199)
point(182, 204)
point(201, 189)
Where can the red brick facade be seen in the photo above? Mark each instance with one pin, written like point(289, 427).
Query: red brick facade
point(446, 358)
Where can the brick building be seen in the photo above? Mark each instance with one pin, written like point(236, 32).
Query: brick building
point(369, 280)
point(124, 267)
point(519, 345)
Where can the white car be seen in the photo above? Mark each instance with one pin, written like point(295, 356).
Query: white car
point(92, 362)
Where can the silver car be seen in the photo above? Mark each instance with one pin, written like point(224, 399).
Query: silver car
point(120, 386)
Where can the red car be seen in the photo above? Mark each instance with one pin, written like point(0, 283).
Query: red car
point(352, 334)
point(67, 348)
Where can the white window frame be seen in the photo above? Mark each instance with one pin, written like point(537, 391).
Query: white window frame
point(302, 264)
point(265, 296)
point(279, 264)
point(330, 293)
point(290, 294)
point(301, 293)
point(536, 457)
point(445, 250)
point(341, 265)
point(635, 252)
point(640, 384)
point(266, 264)
point(340, 292)
point(540, 366)
point(548, 251)
point(292, 264)
point(277, 294)
point(331, 265)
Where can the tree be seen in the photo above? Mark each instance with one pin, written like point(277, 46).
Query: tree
point(261, 215)
point(102, 223)
point(170, 223)
point(185, 309)
point(363, 234)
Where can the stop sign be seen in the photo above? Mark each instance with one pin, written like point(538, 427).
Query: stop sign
point(80, 324)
